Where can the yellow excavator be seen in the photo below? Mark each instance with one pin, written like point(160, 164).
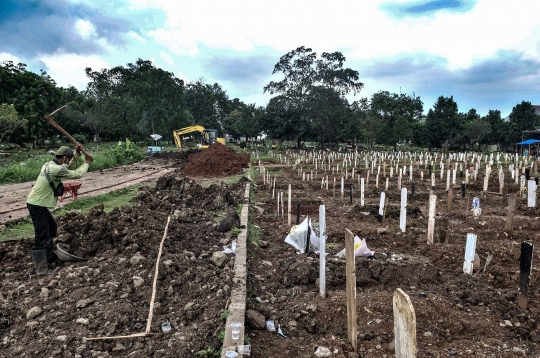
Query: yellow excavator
point(208, 136)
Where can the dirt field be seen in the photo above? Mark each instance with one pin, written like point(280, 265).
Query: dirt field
point(109, 294)
point(457, 314)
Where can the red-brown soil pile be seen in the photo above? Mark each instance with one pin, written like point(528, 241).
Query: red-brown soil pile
point(216, 161)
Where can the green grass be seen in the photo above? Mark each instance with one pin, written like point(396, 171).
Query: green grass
point(25, 168)
point(23, 228)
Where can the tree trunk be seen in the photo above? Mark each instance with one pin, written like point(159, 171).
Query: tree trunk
point(298, 142)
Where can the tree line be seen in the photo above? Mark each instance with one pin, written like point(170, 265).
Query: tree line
point(309, 103)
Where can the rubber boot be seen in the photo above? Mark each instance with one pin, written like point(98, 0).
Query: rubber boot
point(40, 261)
point(51, 256)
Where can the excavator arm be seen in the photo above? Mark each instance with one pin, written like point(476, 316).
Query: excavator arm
point(178, 133)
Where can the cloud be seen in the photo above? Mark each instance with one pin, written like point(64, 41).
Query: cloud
point(85, 28)
point(47, 26)
point(5, 57)
point(245, 74)
point(68, 69)
point(167, 58)
point(493, 83)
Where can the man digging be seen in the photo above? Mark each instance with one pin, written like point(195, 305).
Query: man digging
point(44, 196)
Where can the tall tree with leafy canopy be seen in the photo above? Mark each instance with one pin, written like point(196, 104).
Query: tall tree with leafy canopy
point(396, 115)
point(33, 96)
point(522, 118)
point(9, 120)
point(441, 122)
point(303, 73)
point(208, 104)
point(139, 98)
point(499, 128)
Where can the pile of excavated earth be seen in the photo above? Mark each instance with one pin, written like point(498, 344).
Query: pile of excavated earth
point(216, 161)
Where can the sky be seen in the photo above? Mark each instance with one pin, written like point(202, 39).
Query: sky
point(484, 53)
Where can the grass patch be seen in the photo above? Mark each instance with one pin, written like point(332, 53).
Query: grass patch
point(254, 233)
point(111, 156)
point(23, 228)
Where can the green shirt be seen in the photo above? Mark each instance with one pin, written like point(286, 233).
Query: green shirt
point(42, 193)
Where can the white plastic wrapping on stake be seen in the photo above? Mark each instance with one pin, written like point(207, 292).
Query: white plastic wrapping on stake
point(322, 249)
point(470, 248)
point(403, 210)
point(381, 204)
point(531, 194)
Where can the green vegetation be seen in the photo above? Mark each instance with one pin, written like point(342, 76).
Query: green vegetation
point(310, 105)
point(210, 353)
point(23, 229)
point(224, 315)
point(254, 233)
point(235, 232)
point(117, 154)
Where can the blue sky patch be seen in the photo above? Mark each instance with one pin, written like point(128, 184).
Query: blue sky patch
point(427, 8)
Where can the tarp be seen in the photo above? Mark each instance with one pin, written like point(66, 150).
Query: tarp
point(528, 141)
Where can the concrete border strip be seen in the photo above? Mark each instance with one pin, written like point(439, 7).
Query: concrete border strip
point(237, 307)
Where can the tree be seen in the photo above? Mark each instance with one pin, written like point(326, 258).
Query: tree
point(9, 120)
point(303, 74)
point(396, 115)
point(477, 130)
point(33, 96)
point(499, 128)
point(209, 104)
point(522, 118)
point(442, 122)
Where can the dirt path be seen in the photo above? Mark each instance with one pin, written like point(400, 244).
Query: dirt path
point(13, 202)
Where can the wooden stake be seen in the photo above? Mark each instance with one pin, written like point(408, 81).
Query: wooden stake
point(525, 268)
point(512, 199)
point(403, 210)
point(322, 250)
point(470, 248)
point(431, 219)
point(404, 325)
point(350, 277)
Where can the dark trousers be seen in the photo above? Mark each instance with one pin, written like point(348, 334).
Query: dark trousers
point(44, 226)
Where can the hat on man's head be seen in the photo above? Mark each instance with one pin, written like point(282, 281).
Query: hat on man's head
point(63, 150)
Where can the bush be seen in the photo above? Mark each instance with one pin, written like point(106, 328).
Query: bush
point(81, 138)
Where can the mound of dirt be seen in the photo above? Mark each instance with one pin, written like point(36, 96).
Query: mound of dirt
point(109, 294)
point(216, 161)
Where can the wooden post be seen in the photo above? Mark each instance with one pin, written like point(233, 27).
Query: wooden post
point(289, 220)
point(362, 192)
point(381, 207)
point(525, 268)
point(322, 250)
point(431, 219)
point(350, 277)
point(450, 198)
point(512, 199)
point(531, 194)
point(470, 248)
point(403, 210)
point(404, 325)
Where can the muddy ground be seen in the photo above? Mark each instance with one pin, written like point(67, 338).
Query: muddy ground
point(457, 314)
point(109, 294)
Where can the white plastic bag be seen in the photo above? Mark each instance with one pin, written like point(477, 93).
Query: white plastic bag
point(298, 236)
point(323, 352)
point(314, 239)
point(360, 249)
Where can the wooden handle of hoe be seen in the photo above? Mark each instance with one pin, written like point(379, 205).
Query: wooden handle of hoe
point(62, 130)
